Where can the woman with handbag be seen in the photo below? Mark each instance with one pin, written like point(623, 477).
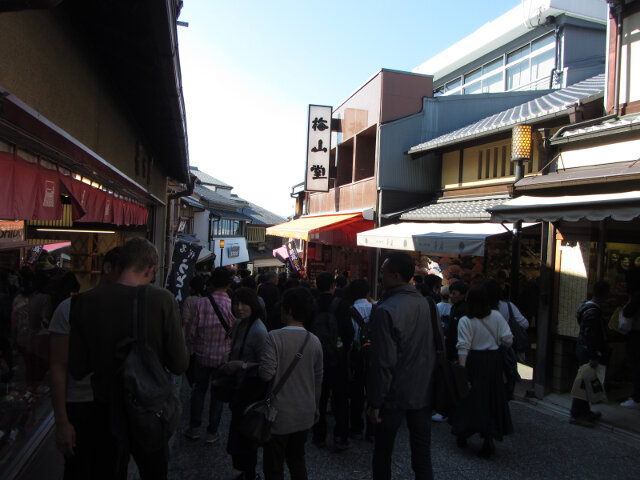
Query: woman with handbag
point(485, 409)
point(248, 336)
point(292, 360)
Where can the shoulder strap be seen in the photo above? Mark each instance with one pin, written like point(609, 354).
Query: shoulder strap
point(292, 365)
point(244, 339)
point(495, 339)
point(139, 314)
point(510, 319)
point(223, 322)
point(355, 314)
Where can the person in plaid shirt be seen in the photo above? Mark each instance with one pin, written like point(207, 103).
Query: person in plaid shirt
point(210, 342)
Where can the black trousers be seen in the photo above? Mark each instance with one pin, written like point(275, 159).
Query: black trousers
point(112, 454)
point(419, 423)
point(289, 448)
point(335, 386)
point(81, 416)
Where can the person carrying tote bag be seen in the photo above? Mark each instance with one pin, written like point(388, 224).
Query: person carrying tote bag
point(249, 335)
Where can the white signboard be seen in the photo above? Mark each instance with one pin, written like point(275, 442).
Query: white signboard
point(318, 148)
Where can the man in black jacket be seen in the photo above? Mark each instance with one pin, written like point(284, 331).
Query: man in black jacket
point(590, 348)
point(401, 368)
point(330, 326)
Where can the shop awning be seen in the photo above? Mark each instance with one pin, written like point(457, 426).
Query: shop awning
point(303, 227)
point(572, 208)
point(266, 262)
point(205, 254)
point(436, 238)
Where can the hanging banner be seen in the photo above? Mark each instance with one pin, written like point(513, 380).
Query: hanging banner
point(183, 269)
point(294, 259)
point(318, 148)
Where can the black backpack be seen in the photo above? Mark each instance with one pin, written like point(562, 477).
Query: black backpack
point(151, 406)
point(362, 342)
point(325, 327)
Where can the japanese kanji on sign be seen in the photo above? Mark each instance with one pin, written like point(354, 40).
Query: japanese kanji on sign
point(183, 269)
point(318, 148)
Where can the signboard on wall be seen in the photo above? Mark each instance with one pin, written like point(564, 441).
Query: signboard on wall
point(318, 148)
point(183, 269)
point(11, 231)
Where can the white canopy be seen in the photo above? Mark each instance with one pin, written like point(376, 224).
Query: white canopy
point(618, 206)
point(436, 238)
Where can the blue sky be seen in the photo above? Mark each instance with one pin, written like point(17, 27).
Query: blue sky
point(250, 68)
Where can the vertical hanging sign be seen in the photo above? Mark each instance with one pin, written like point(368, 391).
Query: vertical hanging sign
point(318, 148)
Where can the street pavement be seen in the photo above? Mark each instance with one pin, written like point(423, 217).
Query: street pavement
point(544, 446)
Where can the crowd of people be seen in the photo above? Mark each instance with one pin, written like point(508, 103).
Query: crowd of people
point(306, 346)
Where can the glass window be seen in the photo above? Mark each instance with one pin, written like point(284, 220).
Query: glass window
point(541, 65)
point(518, 75)
point(491, 66)
point(471, 76)
point(543, 42)
point(453, 84)
point(473, 88)
point(493, 84)
point(518, 54)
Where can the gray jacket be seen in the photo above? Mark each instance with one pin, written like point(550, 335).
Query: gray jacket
point(402, 351)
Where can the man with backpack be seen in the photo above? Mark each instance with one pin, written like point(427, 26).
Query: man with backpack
point(359, 312)
point(103, 322)
point(331, 327)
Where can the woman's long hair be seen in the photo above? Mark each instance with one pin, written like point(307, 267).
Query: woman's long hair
point(478, 302)
point(248, 297)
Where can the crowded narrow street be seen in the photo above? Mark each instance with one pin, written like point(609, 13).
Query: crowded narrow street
point(544, 446)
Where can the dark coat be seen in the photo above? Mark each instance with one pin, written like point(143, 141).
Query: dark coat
point(403, 353)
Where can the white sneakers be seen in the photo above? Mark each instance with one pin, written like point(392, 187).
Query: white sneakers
point(630, 403)
point(437, 417)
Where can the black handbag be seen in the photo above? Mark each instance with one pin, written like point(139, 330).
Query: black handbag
point(258, 417)
point(450, 381)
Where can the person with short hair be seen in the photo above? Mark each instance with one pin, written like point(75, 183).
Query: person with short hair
point(101, 319)
point(298, 400)
point(210, 340)
point(402, 350)
point(359, 291)
point(72, 399)
point(591, 347)
point(329, 327)
point(248, 337)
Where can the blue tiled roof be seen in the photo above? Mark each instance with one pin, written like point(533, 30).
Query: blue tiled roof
point(554, 103)
point(448, 210)
point(213, 197)
point(207, 179)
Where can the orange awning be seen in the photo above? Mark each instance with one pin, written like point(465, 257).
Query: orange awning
point(303, 227)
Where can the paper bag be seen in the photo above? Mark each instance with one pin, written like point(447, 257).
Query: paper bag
point(588, 384)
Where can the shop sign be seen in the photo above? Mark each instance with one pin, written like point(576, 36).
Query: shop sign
point(233, 251)
point(294, 259)
point(183, 269)
point(11, 232)
point(318, 148)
